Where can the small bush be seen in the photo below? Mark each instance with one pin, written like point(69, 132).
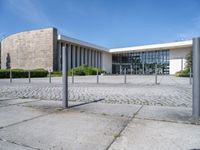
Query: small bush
point(85, 70)
point(56, 74)
point(20, 73)
point(183, 73)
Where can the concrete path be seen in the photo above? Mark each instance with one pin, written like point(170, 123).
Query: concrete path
point(30, 124)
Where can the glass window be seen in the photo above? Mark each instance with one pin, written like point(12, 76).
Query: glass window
point(149, 58)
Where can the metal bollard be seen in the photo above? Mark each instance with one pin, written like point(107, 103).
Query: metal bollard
point(131, 69)
point(29, 76)
point(156, 78)
point(10, 76)
point(136, 69)
point(196, 79)
point(125, 76)
point(143, 68)
point(73, 76)
point(49, 76)
point(190, 76)
point(65, 77)
point(97, 76)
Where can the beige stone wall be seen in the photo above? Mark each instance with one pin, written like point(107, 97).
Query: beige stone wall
point(31, 49)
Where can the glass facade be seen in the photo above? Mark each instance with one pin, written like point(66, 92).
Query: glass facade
point(141, 62)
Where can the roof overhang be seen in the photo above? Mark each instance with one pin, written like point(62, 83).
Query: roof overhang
point(174, 45)
point(79, 42)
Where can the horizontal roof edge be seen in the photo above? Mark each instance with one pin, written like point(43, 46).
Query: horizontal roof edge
point(80, 42)
point(154, 46)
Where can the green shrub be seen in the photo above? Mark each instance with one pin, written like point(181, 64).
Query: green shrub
point(85, 70)
point(183, 73)
point(56, 74)
point(20, 73)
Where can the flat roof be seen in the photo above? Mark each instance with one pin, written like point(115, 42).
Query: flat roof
point(79, 42)
point(171, 45)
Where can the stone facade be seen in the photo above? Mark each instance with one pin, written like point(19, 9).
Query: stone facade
point(30, 49)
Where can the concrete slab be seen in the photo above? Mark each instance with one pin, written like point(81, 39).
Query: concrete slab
point(156, 135)
point(14, 114)
point(66, 130)
point(15, 101)
point(44, 105)
point(174, 114)
point(48, 105)
point(118, 110)
point(7, 98)
point(10, 146)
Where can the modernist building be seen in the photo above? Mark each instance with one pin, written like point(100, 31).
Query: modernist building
point(42, 48)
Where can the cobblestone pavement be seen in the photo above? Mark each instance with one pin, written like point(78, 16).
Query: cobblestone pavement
point(171, 91)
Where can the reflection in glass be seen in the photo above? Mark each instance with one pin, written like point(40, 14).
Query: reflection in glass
point(141, 62)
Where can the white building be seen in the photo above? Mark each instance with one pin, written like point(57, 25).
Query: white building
point(42, 48)
point(169, 57)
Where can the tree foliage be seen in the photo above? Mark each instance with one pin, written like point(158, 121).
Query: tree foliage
point(189, 60)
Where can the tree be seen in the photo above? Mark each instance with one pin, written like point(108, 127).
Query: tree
point(189, 60)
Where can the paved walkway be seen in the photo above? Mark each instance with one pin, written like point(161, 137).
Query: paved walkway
point(31, 124)
point(140, 90)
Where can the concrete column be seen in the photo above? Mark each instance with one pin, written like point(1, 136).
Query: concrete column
point(94, 58)
point(82, 55)
point(74, 56)
point(59, 56)
point(69, 56)
point(86, 56)
point(99, 63)
point(78, 56)
point(101, 60)
point(196, 79)
point(92, 55)
point(97, 59)
point(89, 58)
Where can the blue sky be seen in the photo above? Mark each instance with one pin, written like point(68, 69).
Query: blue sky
point(109, 23)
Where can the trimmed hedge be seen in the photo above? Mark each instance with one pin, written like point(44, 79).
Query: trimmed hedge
point(85, 70)
point(21, 73)
point(183, 73)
